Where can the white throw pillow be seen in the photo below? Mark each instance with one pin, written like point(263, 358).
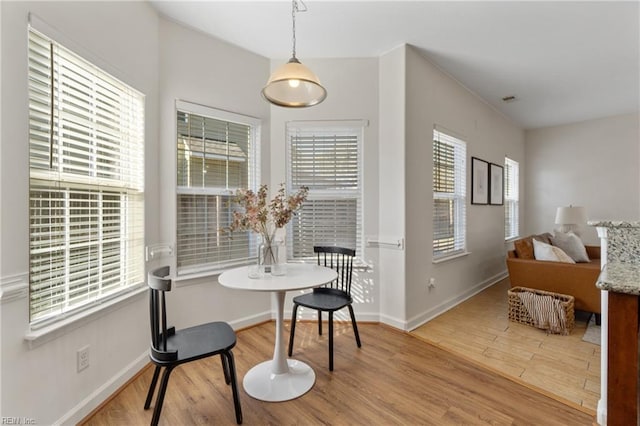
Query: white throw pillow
point(571, 244)
point(544, 251)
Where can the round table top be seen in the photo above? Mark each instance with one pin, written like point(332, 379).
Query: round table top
point(299, 276)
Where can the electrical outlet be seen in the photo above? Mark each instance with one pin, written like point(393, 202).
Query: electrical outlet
point(83, 358)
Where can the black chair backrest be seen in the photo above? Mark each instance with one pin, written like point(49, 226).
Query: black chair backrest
point(159, 283)
point(339, 259)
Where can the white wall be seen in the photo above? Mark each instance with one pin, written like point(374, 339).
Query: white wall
point(41, 382)
point(392, 186)
point(434, 98)
point(595, 164)
point(352, 94)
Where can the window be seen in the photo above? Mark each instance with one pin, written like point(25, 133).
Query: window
point(511, 199)
point(217, 155)
point(326, 158)
point(449, 195)
point(86, 183)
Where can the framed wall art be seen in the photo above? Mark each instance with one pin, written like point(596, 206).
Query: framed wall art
point(496, 185)
point(479, 181)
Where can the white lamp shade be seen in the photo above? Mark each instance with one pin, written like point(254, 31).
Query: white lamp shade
point(294, 85)
point(572, 215)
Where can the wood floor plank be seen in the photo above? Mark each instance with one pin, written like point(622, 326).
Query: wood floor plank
point(464, 346)
point(461, 416)
point(513, 350)
point(478, 334)
point(394, 379)
point(568, 363)
point(506, 367)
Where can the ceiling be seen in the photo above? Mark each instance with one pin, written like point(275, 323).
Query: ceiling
point(563, 61)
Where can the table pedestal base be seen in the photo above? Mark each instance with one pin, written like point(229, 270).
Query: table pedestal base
point(262, 384)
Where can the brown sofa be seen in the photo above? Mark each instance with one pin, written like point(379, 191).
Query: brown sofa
point(575, 279)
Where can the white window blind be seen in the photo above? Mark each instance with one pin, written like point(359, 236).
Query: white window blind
point(449, 195)
point(86, 186)
point(216, 153)
point(511, 199)
point(326, 159)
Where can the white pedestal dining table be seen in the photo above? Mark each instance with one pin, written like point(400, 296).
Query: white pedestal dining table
point(279, 379)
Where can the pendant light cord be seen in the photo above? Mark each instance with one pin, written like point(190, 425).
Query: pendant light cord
point(294, 8)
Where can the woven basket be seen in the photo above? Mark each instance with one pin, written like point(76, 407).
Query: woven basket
point(518, 312)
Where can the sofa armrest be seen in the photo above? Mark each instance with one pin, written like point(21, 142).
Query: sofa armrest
point(593, 252)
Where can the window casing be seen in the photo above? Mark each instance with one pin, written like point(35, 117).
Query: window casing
point(86, 183)
point(325, 157)
point(511, 199)
point(449, 195)
point(216, 155)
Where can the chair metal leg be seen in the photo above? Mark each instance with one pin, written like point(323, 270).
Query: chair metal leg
point(225, 369)
point(152, 387)
point(293, 328)
point(320, 323)
point(355, 326)
point(330, 340)
point(160, 399)
point(234, 385)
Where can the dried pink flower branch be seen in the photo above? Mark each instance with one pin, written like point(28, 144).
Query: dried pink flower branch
point(262, 218)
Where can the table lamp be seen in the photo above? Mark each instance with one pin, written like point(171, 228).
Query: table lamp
point(570, 218)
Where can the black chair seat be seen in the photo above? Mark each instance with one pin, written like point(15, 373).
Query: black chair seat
point(199, 342)
point(325, 299)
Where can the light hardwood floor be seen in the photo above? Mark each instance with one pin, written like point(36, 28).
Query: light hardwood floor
point(479, 329)
point(394, 379)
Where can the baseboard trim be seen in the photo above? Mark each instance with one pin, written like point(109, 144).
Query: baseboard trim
point(105, 392)
point(601, 412)
point(443, 307)
point(393, 322)
point(338, 316)
point(104, 403)
point(252, 320)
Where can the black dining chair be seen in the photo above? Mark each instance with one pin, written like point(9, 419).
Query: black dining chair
point(171, 347)
point(331, 297)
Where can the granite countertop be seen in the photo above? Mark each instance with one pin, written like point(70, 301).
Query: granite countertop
point(615, 223)
point(620, 278)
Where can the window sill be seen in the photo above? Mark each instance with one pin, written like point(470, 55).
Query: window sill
point(512, 239)
point(452, 257)
point(38, 336)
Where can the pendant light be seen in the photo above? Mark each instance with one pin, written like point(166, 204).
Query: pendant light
point(293, 84)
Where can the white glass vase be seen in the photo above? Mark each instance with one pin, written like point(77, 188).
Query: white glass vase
point(272, 258)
